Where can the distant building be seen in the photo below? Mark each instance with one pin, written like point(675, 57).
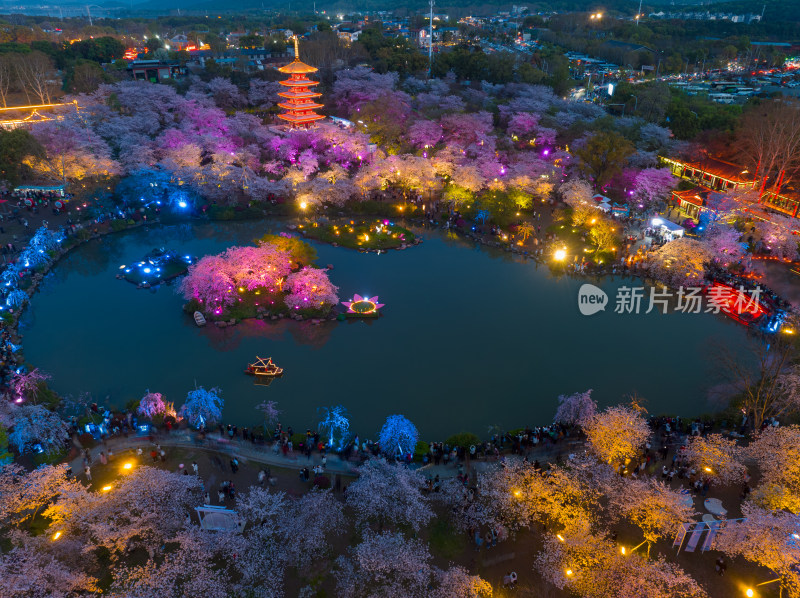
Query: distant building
point(156, 71)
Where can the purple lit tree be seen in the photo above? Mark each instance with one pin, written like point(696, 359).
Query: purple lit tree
point(152, 404)
point(202, 407)
point(575, 408)
point(653, 186)
point(398, 436)
point(25, 385)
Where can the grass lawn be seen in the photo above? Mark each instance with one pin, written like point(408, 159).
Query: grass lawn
point(364, 234)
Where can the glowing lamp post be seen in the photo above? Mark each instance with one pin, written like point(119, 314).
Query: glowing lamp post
point(560, 255)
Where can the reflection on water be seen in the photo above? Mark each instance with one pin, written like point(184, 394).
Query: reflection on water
point(470, 337)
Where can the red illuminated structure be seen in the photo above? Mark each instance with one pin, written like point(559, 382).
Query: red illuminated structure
point(300, 101)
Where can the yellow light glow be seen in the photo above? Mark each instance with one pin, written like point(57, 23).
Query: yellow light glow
point(788, 331)
point(708, 469)
point(568, 572)
point(106, 488)
point(517, 493)
point(128, 465)
point(560, 537)
point(303, 205)
point(750, 593)
point(561, 255)
point(56, 536)
point(622, 550)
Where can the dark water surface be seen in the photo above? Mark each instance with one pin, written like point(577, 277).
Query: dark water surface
point(469, 338)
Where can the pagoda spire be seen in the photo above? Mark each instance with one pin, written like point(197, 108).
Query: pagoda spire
point(300, 104)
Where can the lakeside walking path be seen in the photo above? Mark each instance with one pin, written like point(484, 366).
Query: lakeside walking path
point(271, 456)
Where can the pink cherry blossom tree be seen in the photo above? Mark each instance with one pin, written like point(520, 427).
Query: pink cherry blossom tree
point(152, 404)
point(653, 186)
point(310, 288)
point(390, 494)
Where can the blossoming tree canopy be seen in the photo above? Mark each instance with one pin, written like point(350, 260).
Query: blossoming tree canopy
point(617, 433)
point(310, 288)
point(202, 407)
point(252, 277)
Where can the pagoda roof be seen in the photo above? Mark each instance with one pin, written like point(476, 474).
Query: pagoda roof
point(307, 106)
point(301, 118)
point(297, 67)
point(298, 83)
point(299, 94)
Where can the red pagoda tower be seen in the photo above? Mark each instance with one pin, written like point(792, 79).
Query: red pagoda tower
point(300, 100)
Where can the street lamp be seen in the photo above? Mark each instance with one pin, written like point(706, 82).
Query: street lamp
point(560, 255)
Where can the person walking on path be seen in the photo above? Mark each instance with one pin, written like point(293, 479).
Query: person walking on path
point(87, 470)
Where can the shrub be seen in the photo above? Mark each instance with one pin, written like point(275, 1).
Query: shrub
point(463, 440)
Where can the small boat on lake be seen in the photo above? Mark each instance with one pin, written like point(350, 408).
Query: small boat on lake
point(264, 368)
point(199, 319)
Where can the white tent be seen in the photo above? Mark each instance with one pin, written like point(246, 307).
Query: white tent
point(667, 226)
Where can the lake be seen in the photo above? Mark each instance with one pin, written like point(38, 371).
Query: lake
point(470, 338)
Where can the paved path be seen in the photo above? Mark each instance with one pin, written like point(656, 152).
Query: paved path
point(267, 455)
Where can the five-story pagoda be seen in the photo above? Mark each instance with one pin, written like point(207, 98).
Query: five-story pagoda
point(300, 100)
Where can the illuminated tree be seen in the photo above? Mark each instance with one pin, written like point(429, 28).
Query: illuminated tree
point(271, 413)
point(716, 457)
point(389, 493)
point(34, 425)
point(24, 493)
point(777, 452)
point(525, 230)
point(152, 404)
point(202, 407)
point(723, 240)
point(575, 408)
point(518, 495)
point(310, 288)
point(680, 262)
point(768, 538)
point(336, 425)
point(593, 567)
point(398, 436)
point(73, 152)
point(575, 192)
point(653, 186)
point(778, 236)
point(650, 505)
point(603, 233)
point(616, 434)
point(424, 133)
point(144, 508)
point(26, 385)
